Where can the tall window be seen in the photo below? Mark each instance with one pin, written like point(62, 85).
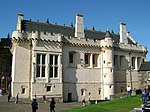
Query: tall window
point(23, 91)
point(53, 66)
point(71, 57)
point(99, 91)
point(40, 65)
point(122, 62)
point(95, 60)
point(138, 62)
point(133, 62)
point(87, 59)
point(83, 92)
point(116, 61)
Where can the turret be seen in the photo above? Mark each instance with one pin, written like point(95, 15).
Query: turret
point(108, 41)
point(107, 56)
point(79, 26)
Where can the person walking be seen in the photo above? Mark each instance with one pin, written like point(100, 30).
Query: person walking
point(34, 105)
point(129, 90)
point(9, 95)
point(144, 97)
point(17, 98)
point(83, 102)
point(44, 98)
point(52, 105)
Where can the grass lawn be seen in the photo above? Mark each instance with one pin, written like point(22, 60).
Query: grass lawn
point(118, 105)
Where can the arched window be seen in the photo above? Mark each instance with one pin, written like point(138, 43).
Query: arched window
point(99, 91)
point(83, 92)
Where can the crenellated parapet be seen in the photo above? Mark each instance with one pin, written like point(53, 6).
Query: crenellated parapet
point(130, 47)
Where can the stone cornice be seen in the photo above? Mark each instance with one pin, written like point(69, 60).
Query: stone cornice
point(21, 40)
point(125, 48)
point(129, 50)
point(81, 45)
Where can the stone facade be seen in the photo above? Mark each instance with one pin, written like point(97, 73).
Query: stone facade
point(5, 64)
point(73, 63)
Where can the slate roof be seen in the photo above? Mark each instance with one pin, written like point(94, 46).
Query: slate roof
point(28, 25)
point(145, 66)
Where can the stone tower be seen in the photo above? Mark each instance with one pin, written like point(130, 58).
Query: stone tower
point(107, 55)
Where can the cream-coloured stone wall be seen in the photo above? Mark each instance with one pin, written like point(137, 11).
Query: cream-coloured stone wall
point(40, 84)
point(80, 77)
point(122, 73)
point(22, 70)
point(40, 89)
point(75, 90)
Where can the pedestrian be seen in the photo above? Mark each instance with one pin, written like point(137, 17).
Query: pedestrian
point(17, 98)
point(144, 97)
point(83, 102)
point(148, 92)
point(52, 105)
point(1, 92)
point(129, 90)
point(34, 105)
point(44, 98)
point(9, 95)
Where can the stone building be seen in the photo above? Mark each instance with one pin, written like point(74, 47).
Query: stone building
point(72, 63)
point(144, 71)
point(5, 63)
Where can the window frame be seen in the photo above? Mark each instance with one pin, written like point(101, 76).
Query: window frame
point(48, 88)
point(23, 90)
point(95, 60)
point(83, 92)
point(40, 65)
point(87, 59)
point(53, 66)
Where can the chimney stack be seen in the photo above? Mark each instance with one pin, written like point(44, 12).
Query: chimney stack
point(123, 33)
point(79, 26)
point(20, 18)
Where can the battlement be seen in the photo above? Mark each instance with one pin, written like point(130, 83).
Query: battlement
point(131, 47)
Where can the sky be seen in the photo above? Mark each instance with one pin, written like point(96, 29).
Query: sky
point(102, 14)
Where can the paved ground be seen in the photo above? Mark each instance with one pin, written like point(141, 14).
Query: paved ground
point(24, 105)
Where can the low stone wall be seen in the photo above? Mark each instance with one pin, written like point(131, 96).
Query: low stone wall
point(58, 98)
point(119, 95)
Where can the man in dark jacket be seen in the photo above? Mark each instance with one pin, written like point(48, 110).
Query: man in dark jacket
point(34, 105)
point(52, 105)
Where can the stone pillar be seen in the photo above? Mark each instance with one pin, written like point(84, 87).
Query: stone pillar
point(33, 62)
point(47, 69)
point(59, 68)
point(91, 60)
point(136, 63)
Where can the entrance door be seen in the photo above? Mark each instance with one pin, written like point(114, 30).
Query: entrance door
point(69, 97)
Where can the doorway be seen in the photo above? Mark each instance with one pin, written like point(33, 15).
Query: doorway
point(69, 97)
